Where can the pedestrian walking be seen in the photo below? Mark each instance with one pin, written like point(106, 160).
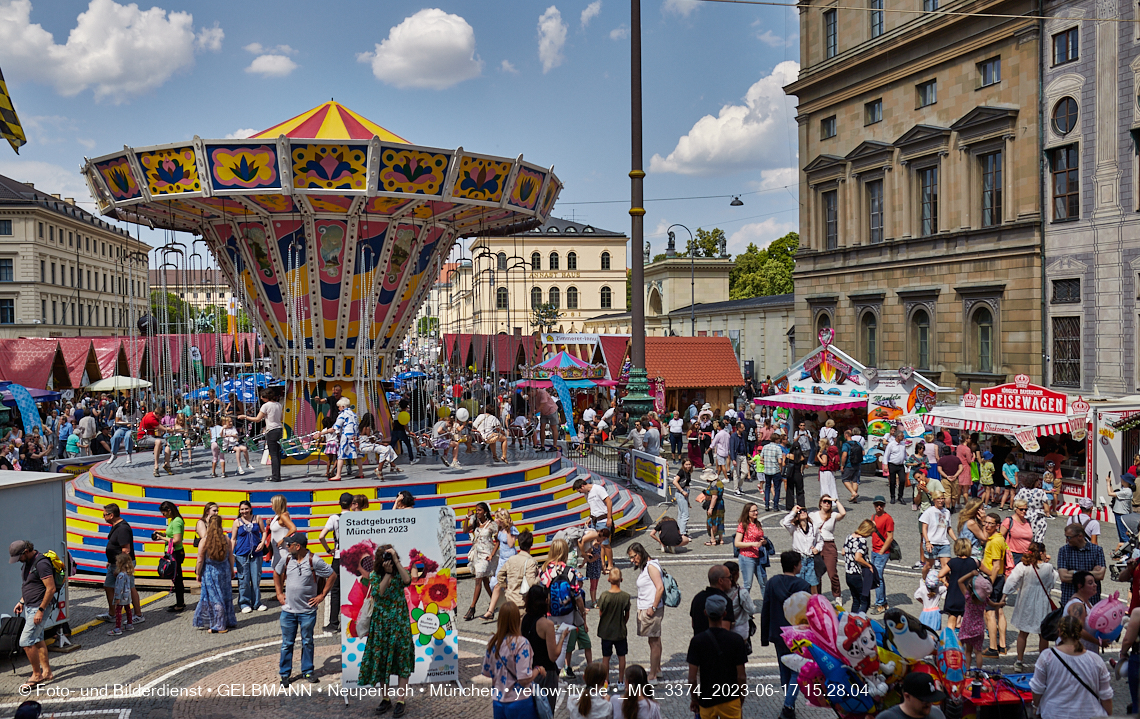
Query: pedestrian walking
point(650, 604)
point(851, 460)
point(297, 578)
point(716, 659)
point(828, 460)
point(881, 541)
point(750, 542)
point(507, 534)
point(215, 571)
point(1032, 580)
point(676, 435)
point(480, 526)
point(713, 504)
point(895, 457)
point(37, 597)
point(861, 575)
point(721, 449)
point(247, 540)
point(936, 533)
point(1121, 505)
point(613, 618)
point(773, 619)
point(794, 463)
point(518, 571)
point(825, 518)
point(772, 455)
point(681, 483)
point(388, 650)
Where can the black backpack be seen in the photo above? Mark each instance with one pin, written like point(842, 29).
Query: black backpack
point(10, 630)
point(854, 454)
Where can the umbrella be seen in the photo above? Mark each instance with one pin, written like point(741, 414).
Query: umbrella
point(117, 382)
point(39, 395)
point(414, 374)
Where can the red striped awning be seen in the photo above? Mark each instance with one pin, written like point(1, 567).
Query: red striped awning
point(1071, 509)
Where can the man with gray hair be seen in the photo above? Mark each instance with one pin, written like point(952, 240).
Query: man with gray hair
point(717, 656)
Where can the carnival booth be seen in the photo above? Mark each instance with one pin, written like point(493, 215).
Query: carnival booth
point(1047, 425)
point(1113, 443)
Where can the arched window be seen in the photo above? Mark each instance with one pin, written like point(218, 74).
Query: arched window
point(502, 260)
point(822, 323)
point(920, 339)
point(869, 338)
point(555, 297)
point(607, 298)
point(501, 298)
point(605, 260)
point(571, 298)
point(535, 298)
point(571, 260)
point(535, 261)
point(553, 260)
point(983, 331)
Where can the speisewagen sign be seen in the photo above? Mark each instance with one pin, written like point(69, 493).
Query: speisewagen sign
point(1020, 397)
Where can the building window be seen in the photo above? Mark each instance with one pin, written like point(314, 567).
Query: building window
point(7, 312)
point(869, 331)
point(1066, 291)
point(535, 261)
point(54, 319)
point(1066, 184)
point(43, 271)
point(927, 92)
point(1065, 115)
point(7, 274)
point(103, 248)
point(41, 230)
point(70, 238)
point(989, 72)
point(554, 260)
point(555, 298)
point(875, 212)
point(104, 316)
point(72, 276)
point(830, 34)
point(87, 244)
point(571, 260)
point(876, 18)
point(51, 234)
point(827, 128)
point(501, 300)
point(1065, 46)
point(873, 112)
point(983, 331)
point(822, 322)
point(5, 227)
point(605, 260)
point(831, 220)
point(929, 5)
point(88, 279)
point(501, 260)
point(535, 298)
point(53, 273)
point(920, 339)
point(928, 199)
point(1067, 351)
point(43, 311)
point(607, 298)
point(571, 298)
point(991, 189)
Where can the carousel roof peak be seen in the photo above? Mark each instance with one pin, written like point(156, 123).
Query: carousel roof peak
point(329, 121)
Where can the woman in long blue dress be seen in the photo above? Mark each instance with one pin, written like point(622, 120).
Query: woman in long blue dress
point(215, 570)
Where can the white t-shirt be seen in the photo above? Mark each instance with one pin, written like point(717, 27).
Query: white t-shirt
point(609, 413)
point(589, 414)
point(487, 424)
point(332, 525)
point(596, 498)
point(646, 590)
point(929, 603)
point(676, 426)
point(646, 709)
point(937, 523)
point(600, 708)
point(1092, 528)
point(828, 433)
point(1123, 504)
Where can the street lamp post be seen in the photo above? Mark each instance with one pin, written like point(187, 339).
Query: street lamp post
point(692, 272)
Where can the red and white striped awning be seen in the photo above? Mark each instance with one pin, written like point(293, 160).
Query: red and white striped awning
point(996, 421)
point(1071, 509)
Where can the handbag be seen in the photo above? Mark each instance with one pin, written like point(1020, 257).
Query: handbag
point(894, 551)
point(168, 565)
point(1052, 604)
point(265, 458)
point(704, 500)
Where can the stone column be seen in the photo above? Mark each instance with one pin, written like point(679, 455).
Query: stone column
point(1010, 203)
point(967, 199)
point(842, 191)
point(943, 186)
point(902, 185)
point(813, 232)
point(858, 200)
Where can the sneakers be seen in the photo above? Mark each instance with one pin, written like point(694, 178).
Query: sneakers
point(286, 681)
point(990, 652)
point(568, 673)
point(115, 632)
point(241, 471)
point(878, 609)
point(246, 610)
point(130, 626)
point(139, 619)
point(415, 460)
point(788, 713)
point(311, 678)
point(1019, 666)
point(105, 617)
point(261, 607)
point(454, 465)
point(917, 565)
point(619, 688)
point(737, 492)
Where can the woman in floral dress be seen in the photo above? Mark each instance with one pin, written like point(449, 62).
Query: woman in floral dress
point(481, 527)
point(215, 570)
point(388, 650)
point(347, 427)
point(715, 493)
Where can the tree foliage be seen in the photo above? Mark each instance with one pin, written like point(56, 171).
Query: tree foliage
point(707, 243)
point(427, 325)
point(545, 317)
point(757, 272)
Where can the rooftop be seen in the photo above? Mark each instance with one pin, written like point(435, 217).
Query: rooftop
point(744, 304)
point(559, 227)
point(693, 362)
point(15, 194)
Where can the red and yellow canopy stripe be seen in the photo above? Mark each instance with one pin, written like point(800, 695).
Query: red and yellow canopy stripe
point(329, 121)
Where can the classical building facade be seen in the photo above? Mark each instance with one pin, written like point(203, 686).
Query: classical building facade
point(198, 288)
point(578, 268)
point(63, 271)
point(1090, 175)
point(920, 225)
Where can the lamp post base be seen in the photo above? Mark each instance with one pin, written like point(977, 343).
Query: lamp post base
point(637, 400)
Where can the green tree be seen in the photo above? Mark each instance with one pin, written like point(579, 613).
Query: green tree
point(427, 325)
point(707, 243)
point(757, 272)
point(544, 317)
point(170, 308)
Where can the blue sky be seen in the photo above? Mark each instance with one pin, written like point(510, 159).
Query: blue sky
point(550, 81)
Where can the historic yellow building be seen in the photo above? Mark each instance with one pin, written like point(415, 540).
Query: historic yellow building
point(920, 219)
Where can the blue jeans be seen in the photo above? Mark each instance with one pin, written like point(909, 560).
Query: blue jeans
point(1121, 529)
point(859, 602)
point(518, 709)
point(879, 561)
point(788, 678)
point(289, 623)
point(249, 579)
point(122, 435)
point(772, 484)
point(682, 511)
point(749, 568)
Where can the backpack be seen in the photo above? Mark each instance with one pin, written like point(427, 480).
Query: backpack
point(854, 454)
point(672, 591)
point(321, 581)
point(561, 594)
point(59, 569)
point(10, 630)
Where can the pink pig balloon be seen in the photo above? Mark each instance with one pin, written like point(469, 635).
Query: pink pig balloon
point(1105, 620)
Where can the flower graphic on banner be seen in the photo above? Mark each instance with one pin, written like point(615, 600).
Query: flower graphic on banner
point(416, 557)
point(437, 589)
point(429, 623)
point(481, 179)
point(351, 608)
point(170, 171)
point(244, 167)
point(119, 178)
point(353, 558)
point(525, 192)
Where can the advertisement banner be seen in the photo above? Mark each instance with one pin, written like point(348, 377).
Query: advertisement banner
point(657, 392)
point(29, 413)
point(1027, 438)
point(912, 425)
point(650, 470)
point(567, 401)
point(424, 540)
point(1078, 427)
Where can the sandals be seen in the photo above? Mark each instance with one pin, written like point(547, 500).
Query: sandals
point(469, 615)
point(488, 617)
point(711, 544)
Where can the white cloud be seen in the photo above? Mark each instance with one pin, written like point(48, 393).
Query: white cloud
point(431, 49)
point(119, 50)
point(507, 67)
point(551, 38)
point(241, 134)
point(591, 12)
point(271, 66)
point(257, 48)
point(780, 177)
point(760, 234)
point(49, 178)
point(620, 32)
point(741, 136)
point(684, 8)
point(771, 39)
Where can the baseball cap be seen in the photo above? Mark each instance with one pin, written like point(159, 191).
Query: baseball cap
point(879, 499)
point(17, 548)
point(922, 686)
point(297, 538)
point(716, 606)
point(1085, 503)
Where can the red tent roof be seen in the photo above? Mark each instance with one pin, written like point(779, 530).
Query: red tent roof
point(448, 346)
point(27, 362)
point(135, 348)
point(464, 345)
point(614, 351)
point(107, 353)
point(698, 362)
point(75, 350)
point(479, 342)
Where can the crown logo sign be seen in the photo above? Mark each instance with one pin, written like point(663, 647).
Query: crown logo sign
point(1080, 407)
point(1021, 381)
point(970, 400)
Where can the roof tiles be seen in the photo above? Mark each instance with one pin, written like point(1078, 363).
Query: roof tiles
point(693, 362)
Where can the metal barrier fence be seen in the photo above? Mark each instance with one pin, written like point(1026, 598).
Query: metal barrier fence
point(606, 460)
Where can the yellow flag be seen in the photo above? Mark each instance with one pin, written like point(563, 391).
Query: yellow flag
point(10, 128)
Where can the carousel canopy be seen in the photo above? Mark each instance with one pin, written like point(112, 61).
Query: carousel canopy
point(330, 228)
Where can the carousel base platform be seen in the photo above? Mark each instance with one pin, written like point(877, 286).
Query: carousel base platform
point(536, 487)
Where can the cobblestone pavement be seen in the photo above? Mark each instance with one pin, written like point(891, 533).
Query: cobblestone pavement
point(224, 675)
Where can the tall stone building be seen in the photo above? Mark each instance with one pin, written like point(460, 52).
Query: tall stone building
point(1092, 225)
point(919, 189)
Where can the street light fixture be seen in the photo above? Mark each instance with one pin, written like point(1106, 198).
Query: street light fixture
point(692, 272)
point(736, 202)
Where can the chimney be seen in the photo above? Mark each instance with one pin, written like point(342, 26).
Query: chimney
point(30, 185)
point(56, 196)
point(69, 200)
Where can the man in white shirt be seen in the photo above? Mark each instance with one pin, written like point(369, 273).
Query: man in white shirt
point(491, 430)
point(636, 437)
point(676, 435)
point(588, 415)
point(895, 457)
point(721, 446)
point(601, 513)
point(937, 534)
point(1084, 518)
point(829, 432)
point(332, 529)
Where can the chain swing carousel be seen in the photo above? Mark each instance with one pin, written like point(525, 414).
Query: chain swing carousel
point(331, 230)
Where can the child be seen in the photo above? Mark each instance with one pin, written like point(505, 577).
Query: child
point(972, 632)
point(592, 703)
point(986, 470)
point(637, 701)
point(613, 616)
point(216, 453)
point(1009, 474)
point(961, 565)
point(124, 584)
point(233, 443)
point(930, 594)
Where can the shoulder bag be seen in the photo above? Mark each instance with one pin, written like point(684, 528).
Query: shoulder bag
point(168, 565)
point(895, 551)
point(1075, 675)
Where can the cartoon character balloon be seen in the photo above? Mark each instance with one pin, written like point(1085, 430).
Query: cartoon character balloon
point(857, 647)
point(1105, 620)
point(911, 639)
point(952, 663)
point(846, 689)
point(819, 625)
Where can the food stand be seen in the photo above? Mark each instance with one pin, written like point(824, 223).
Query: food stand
point(1113, 442)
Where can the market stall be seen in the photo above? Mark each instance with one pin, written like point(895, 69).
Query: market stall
point(1113, 443)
